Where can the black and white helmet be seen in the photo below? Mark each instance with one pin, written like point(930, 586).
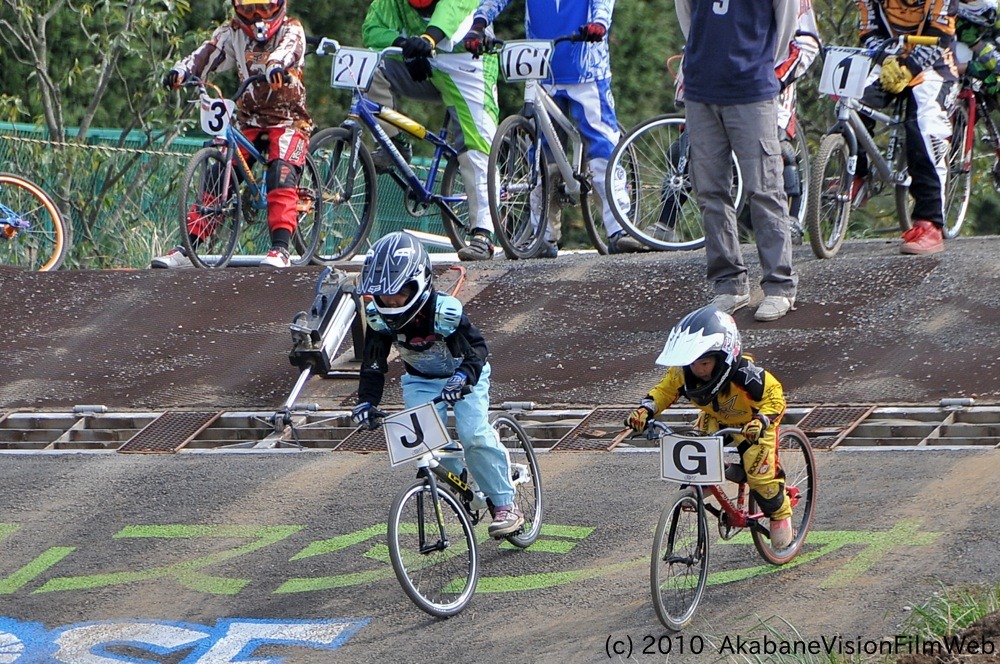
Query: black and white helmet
point(706, 331)
point(396, 263)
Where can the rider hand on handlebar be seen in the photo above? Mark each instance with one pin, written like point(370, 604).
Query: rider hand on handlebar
point(418, 47)
point(895, 76)
point(755, 428)
point(173, 79)
point(592, 32)
point(476, 41)
point(361, 414)
point(639, 418)
point(276, 75)
point(452, 392)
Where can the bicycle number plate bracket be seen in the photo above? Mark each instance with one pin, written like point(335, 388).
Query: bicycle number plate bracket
point(845, 72)
point(525, 59)
point(216, 115)
point(692, 460)
point(414, 432)
point(354, 68)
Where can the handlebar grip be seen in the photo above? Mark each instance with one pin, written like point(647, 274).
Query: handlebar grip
point(922, 40)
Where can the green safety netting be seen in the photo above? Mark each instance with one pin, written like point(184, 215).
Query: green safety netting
point(120, 192)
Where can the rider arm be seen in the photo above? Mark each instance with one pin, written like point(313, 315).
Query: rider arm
point(291, 48)
point(489, 10)
point(467, 343)
point(374, 359)
point(601, 11)
point(383, 24)
point(786, 18)
point(668, 389)
point(449, 22)
point(215, 54)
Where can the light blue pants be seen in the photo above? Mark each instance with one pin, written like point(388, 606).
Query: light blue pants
point(486, 457)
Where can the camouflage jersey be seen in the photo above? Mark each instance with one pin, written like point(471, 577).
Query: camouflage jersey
point(261, 106)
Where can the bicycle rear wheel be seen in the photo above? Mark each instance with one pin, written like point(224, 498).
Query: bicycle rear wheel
point(309, 210)
point(796, 461)
point(210, 208)
point(797, 205)
point(452, 184)
point(678, 569)
point(518, 188)
point(663, 212)
point(829, 205)
point(33, 233)
point(526, 477)
point(958, 189)
point(439, 575)
point(346, 218)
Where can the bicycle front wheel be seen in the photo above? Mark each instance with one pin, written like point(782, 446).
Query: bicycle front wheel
point(210, 209)
point(309, 214)
point(958, 189)
point(349, 194)
point(678, 569)
point(526, 477)
point(437, 564)
point(797, 205)
point(518, 188)
point(828, 209)
point(460, 228)
point(33, 233)
point(797, 464)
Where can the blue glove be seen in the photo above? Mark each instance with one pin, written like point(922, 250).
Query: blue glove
point(452, 391)
point(361, 412)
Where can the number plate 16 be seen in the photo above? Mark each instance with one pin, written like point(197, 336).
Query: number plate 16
point(692, 460)
point(353, 68)
point(845, 72)
point(525, 59)
point(216, 115)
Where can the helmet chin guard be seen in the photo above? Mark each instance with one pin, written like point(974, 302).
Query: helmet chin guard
point(259, 19)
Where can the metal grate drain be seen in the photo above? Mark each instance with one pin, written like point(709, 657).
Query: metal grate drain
point(596, 432)
point(827, 426)
point(169, 432)
point(363, 439)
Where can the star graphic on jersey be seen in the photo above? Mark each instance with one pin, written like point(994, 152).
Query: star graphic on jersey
point(726, 409)
point(753, 373)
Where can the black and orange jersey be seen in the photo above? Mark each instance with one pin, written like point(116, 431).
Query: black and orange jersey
point(751, 390)
point(881, 19)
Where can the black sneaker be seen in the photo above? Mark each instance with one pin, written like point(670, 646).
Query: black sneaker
point(480, 248)
point(623, 243)
point(383, 159)
point(547, 250)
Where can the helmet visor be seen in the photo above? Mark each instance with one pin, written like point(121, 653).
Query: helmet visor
point(251, 11)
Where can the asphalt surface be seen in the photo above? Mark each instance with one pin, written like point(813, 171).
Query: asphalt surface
point(279, 557)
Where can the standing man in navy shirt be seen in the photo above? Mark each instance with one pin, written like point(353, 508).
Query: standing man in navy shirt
point(730, 101)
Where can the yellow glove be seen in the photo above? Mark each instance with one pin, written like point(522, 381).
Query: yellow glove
point(638, 418)
point(755, 428)
point(895, 76)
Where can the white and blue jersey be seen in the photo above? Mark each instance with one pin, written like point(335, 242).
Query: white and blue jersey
point(577, 62)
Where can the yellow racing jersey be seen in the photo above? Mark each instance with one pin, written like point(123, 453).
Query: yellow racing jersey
point(750, 391)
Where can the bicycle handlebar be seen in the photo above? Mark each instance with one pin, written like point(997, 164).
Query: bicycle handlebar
point(375, 416)
point(654, 429)
point(194, 81)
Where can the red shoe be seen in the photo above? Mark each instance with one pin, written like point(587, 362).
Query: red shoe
point(859, 192)
point(924, 238)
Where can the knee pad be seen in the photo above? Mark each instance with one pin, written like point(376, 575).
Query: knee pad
point(282, 174)
point(770, 505)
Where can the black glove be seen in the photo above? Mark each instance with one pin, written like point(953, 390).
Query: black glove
point(476, 41)
point(419, 68)
point(173, 79)
point(592, 32)
point(418, 47)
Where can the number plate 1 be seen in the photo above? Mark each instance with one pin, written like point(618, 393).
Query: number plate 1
point(692, 460)
point(353, 68)
point(525, 59)
point(414, 432)
point(216, 115)
point(845, 72)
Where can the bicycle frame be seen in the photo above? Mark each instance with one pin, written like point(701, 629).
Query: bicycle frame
point(851, 126)
point(540, 105)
